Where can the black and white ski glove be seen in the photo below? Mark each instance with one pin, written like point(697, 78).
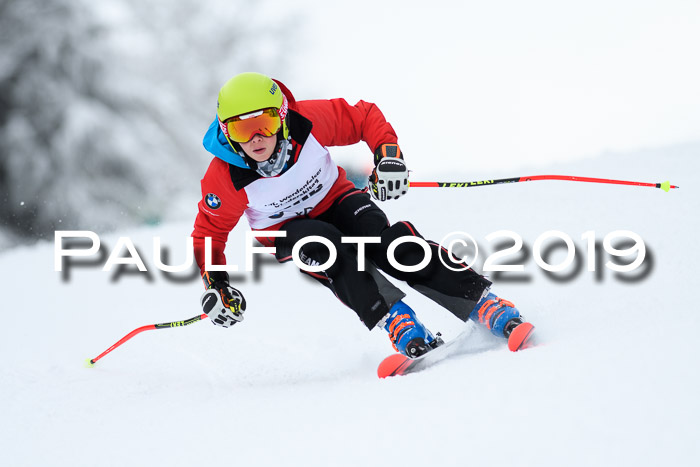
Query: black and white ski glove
point(222, 303)
point(389, 179)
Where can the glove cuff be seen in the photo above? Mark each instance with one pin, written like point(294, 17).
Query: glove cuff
point(215, 279)
point(387, 150)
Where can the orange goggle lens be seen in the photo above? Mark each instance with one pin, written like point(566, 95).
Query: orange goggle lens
point(241, 129)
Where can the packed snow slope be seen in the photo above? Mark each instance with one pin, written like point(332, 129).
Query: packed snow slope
point(614, 383)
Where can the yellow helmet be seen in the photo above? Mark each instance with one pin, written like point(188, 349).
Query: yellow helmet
point(249, 92)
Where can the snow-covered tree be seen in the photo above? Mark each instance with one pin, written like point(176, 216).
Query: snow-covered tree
point(103, 104)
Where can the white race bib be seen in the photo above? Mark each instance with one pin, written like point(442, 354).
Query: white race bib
point(294, 193)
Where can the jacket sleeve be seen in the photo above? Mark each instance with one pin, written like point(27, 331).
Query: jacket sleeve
point(217, 223)
point(337, 123)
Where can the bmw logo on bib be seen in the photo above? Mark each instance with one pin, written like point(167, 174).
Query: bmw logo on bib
point(212, 201)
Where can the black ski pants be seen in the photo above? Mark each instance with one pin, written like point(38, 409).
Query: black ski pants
point(367, 292)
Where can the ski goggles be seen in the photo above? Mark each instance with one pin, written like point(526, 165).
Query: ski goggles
point(242, 128)
point(266, 122)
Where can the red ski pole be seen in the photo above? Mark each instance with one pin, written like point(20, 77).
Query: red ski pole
point(666, 186)
point(90, 362)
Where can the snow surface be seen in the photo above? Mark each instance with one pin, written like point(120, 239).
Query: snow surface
point(616, 382)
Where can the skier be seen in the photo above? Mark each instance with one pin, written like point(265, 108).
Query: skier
point(272, 164)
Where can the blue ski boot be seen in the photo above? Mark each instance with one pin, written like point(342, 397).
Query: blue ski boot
point(503, 320)
point(407, 334)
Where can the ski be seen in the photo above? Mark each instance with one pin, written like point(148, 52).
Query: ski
point(521, 337)
point(398, 364)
